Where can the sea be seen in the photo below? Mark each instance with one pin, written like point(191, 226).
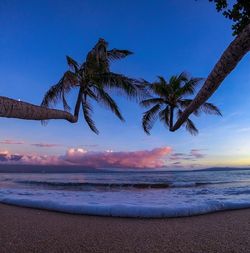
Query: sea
point(144, 194)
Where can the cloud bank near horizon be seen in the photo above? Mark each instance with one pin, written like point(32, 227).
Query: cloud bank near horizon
point(154, 158)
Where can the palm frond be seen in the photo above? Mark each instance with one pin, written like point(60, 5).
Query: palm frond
point(88, 92)
point(149, 118)
point(52, 95)
point(183, 77)
point(174, 83)
point(66, 107)
point(72, 63)
point(58, 91)
point(104, 98)
point(189, 87)
point(151, 101)
point(209, 108)
point(177, 82)
point(164, 116)
point(191, 127)
point(184, 103)
point(132, 88)
point(87, 110)
point(117, 54)
point(162, 80)
point(162, 89)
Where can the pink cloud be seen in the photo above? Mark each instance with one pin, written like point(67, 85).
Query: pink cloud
point(197, 153)
point(11, 142)
point(6, 156)
point(45, 145)
point(192, 155)
point(107, 159)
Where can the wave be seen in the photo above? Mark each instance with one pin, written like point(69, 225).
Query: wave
point(105, 185)
point(53, 201)
point(122, 185)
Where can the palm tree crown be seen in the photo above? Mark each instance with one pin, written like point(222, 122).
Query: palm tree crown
point(169, 99)
point(93, 78)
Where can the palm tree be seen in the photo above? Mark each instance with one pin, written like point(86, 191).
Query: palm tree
point(94, 79)
point(10, 108)
point(228, 61)
point(170, 100)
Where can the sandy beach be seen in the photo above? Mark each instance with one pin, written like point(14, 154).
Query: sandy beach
point(32, 230)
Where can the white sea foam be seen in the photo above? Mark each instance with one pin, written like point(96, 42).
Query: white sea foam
point(151, 195)
point(149, 204)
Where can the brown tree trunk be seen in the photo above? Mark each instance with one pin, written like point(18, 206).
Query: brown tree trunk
point(11, 108)
point(228, 61)
point(78, 104)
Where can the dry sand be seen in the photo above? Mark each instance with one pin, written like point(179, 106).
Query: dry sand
point(30, 230)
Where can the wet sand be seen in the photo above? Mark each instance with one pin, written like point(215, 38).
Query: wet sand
point(31, 230)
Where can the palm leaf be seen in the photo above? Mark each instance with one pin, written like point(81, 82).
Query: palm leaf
point(88, 92)
point(184, 103)
point(151, 101)
point(191, 127)
point(162, 89)
point(189, 86)
point(164, 116)
point(162, 80)
point(87, 110)
point(133, 88)
point(183, 77)
point(53, 94)
point(209, 108)
point(72, 64)
point(104, 98)
point(116, 54)
point(149, 118)
point(58, 91)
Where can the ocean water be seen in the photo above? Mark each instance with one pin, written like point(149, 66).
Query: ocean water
point(129, 194)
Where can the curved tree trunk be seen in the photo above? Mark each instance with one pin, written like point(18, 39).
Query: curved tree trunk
point(10, 108)
point(78, 104)
point(228, 61)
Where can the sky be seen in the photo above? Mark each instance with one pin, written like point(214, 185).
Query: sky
point(167, 37)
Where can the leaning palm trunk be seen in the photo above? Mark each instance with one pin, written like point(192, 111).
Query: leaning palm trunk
point(228, 61)
point(11, 108)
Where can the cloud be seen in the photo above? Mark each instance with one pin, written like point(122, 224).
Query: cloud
point(192, 155)
point(155, 158)
point(89, 145)
point(196, 153)
point(11, 142)
point(5, 156)
point(45, 145)
point(177, 156)
point(176, 163)
point(107, 159)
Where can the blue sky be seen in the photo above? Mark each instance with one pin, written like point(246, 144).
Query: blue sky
point(167, 37)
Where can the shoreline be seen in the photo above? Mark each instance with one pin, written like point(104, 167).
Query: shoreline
point(34, 230)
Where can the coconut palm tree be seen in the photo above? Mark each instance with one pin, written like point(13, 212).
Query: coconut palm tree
point(169, 99)
point(225, 65)
point(11, 108)
point(94, 79)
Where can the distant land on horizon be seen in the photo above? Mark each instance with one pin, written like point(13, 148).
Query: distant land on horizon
point(7, 168)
